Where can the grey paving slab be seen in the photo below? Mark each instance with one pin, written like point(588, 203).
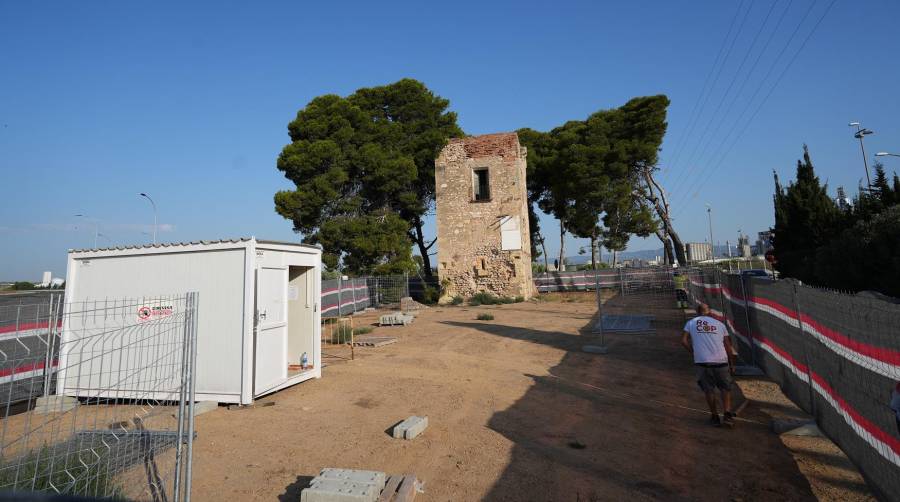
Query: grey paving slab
point(334, 490)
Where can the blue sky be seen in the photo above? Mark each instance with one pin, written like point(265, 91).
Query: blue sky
point(102, 100)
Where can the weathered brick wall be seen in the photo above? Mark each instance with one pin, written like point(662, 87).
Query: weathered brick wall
point(470, 258)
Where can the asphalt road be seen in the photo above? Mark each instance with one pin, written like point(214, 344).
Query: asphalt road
point(23, 316)
point(28, 307)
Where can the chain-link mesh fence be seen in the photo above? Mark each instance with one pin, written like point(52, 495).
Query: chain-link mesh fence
point(97, 398)
point(387, 291)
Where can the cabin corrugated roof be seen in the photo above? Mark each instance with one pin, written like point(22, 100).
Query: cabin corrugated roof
point(189, 243)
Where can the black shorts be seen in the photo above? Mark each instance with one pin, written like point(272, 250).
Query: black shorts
point(711, 377)
point(681, 295)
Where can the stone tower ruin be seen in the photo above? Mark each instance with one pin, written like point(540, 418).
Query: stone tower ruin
point(484, 244)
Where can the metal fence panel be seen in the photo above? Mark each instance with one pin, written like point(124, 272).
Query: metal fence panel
point(585, 280)
point(387, 291)
point(97, 398)
point(625, 279)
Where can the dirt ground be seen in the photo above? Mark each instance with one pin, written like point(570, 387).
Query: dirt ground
point(830, 473)
point(516, 412)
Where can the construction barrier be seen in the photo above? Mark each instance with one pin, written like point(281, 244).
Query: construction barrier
point(836, 355)
point(341, 297)
point(588, 280)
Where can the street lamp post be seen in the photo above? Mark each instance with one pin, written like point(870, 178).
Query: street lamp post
point(155, 221)
point(712, 245)
point(886, 154)
point(860, 133)
point(96, 228)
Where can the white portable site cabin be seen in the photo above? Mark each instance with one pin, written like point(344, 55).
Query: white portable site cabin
point(258, 308)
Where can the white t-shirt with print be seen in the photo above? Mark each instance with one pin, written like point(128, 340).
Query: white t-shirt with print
point(707, 338)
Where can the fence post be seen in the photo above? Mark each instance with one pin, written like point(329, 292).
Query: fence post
point(622, 281)
point(749, 328)
point(599, 325)
point(353, 292)
point(180, 467)
point(795, 293)
point(340, 290)
point(721, 284)
point(192, 393)
point(51, 340)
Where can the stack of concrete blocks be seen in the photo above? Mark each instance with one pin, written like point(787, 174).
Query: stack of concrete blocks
point(344, 485)
point(395, 319)
point(410, 428)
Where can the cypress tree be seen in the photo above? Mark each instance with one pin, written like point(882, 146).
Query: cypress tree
point(881, 188)
point(805, 218)
point(896, 189)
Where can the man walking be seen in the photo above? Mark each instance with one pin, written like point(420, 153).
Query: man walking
point(680, 281)
point(707, 339)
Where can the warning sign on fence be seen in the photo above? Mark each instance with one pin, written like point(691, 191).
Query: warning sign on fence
point(147, 313)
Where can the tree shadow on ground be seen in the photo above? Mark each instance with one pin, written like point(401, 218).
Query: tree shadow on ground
point(630, 424)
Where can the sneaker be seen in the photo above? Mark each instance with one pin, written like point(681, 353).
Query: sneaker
point(715, 420)
point(728, 421)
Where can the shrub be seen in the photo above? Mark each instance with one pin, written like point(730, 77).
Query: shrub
point(519, 299)
point(328, 275)
point(51, 469)
point(342, 333)
point(483, 299)
point(430, 296)
point(456, 300)
point(485, 317)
